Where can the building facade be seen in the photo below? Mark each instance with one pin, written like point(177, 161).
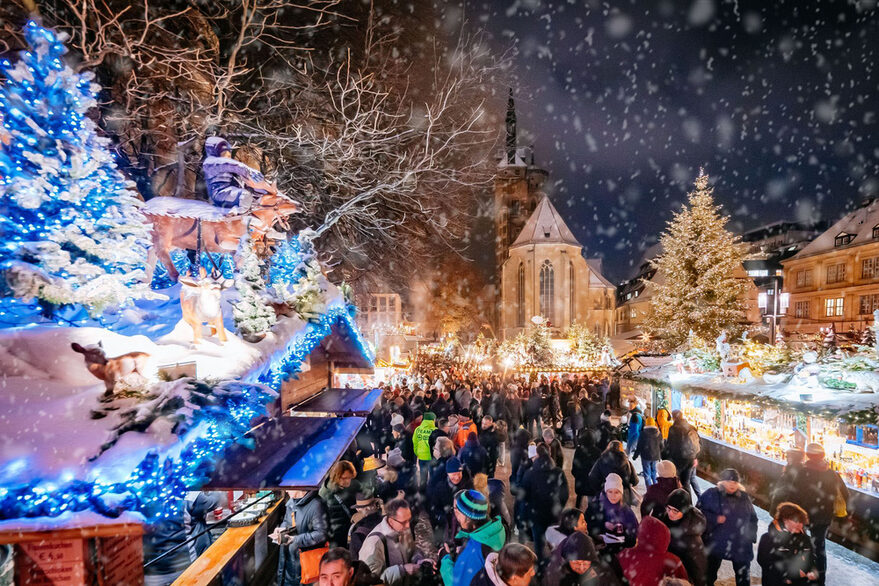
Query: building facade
point(835, 278)
point(546, 274)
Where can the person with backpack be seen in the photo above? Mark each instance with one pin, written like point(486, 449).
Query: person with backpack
point(474, 456)
point(683, 447)
point(465, 426)
point(389, 550)
point(649, 450)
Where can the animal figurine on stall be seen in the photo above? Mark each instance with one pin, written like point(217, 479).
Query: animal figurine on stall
point(200, 302)
point(111, 370)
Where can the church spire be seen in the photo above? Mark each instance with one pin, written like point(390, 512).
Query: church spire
point(511, 129)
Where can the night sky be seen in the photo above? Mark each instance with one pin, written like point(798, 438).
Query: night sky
point(625, 100)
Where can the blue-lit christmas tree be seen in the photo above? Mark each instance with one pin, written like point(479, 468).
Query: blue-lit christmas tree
point(71, 232)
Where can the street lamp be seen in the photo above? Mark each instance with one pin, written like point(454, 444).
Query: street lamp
point(780, 302)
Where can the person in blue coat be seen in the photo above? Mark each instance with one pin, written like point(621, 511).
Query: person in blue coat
point(636, 424)
point(731, 527)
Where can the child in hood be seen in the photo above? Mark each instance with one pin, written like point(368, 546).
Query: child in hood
point(649, 561)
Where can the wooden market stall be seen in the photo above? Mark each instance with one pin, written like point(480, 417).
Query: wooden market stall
point(750, 426)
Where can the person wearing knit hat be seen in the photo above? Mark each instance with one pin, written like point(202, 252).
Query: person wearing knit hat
point(686, 525)
point(666, 469)
point(396, 419)
point(613, 482)
point(814, 451)
point(731, 527)
point(453, 465)
point(480, 534)
point(657, 494)
point(611, 520)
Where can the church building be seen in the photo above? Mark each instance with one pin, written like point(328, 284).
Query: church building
point(541, 265)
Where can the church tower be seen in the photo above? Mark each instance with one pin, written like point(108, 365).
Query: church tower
point(517, 189)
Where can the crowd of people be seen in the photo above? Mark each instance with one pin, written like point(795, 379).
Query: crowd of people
point(415, 500)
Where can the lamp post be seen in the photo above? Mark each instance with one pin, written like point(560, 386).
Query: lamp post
point(779, 306)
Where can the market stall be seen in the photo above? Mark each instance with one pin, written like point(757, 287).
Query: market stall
point(749, 424)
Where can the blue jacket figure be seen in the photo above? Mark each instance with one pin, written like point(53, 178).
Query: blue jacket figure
point(731, 523)
point(230, 183)
point(636, 424)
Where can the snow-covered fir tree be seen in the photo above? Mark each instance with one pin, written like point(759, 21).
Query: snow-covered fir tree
point(538, 346)
point(70, 226)
point(298, 279)
point(253, 316)
point(698, 289)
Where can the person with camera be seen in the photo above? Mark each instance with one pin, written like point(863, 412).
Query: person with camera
point(389, 550)
point(480, 535)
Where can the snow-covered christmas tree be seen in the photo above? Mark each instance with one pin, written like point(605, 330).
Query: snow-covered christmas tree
point(70, 226)
point(253, 316)
point(698, 290)
point(297, 277)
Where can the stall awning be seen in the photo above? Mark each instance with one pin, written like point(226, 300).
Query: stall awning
point(340, 402)
point(293, 453)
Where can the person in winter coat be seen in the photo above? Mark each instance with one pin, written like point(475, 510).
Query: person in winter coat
point(421, 445)
point(533, 409)
point(521, 511)
point(649, 562)
point(195, 518)
point(389, 550)
point(518, 453)
point(610, 520)
point(555, 447)
point(819, 488)
point(495, 491)
point(545, 490)
point(636, 424)
point(790, 482)
point(731, 527)
point(489, 439)
point(479, 535)
point(663, 422)
point(657, 494)
point(441, 497)
point(683, 447)
point(592, 410)
point(465, 426)
point(307, 513)
point(606, 431)
point(513, 566)
point(441, 408)
point(513, 410)
point(649, 450)
point(686, 524)
point(473, 455)
point(614, 460)
point(339, 492)
point(575, 563)
point(569, 521)
point(367, 514)
point(585, 456)
point(785, 553)
point(163, 536)
point(443, 429)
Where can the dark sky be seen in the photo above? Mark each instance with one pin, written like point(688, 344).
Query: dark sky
point(624, 100)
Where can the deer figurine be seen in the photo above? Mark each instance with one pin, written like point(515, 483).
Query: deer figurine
point(200, 303)
point(111, 370)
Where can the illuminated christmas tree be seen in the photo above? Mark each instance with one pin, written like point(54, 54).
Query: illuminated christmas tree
point(698, 289)
point(70, 227)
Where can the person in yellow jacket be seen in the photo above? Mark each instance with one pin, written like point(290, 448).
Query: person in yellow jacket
point(663, 422)
point(421, 444)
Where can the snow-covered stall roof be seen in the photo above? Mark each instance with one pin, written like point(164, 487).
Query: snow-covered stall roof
point(861, 407)
point(56, 433)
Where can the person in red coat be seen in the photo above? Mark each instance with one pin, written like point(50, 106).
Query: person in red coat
point(649, 561)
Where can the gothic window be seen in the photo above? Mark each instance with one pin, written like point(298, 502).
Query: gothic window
point(520, 296)
point(547, 290)
point(571, 304)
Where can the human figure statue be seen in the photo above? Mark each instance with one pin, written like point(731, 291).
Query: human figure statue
point(231, 184)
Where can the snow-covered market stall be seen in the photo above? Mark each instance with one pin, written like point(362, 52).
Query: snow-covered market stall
point(129, 386)
point(753, 402)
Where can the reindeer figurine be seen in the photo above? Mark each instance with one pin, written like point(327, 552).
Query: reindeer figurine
point(111, 370)
point(200, 302)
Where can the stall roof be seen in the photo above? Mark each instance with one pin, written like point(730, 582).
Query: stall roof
point(341, 402)
point(292, 453)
